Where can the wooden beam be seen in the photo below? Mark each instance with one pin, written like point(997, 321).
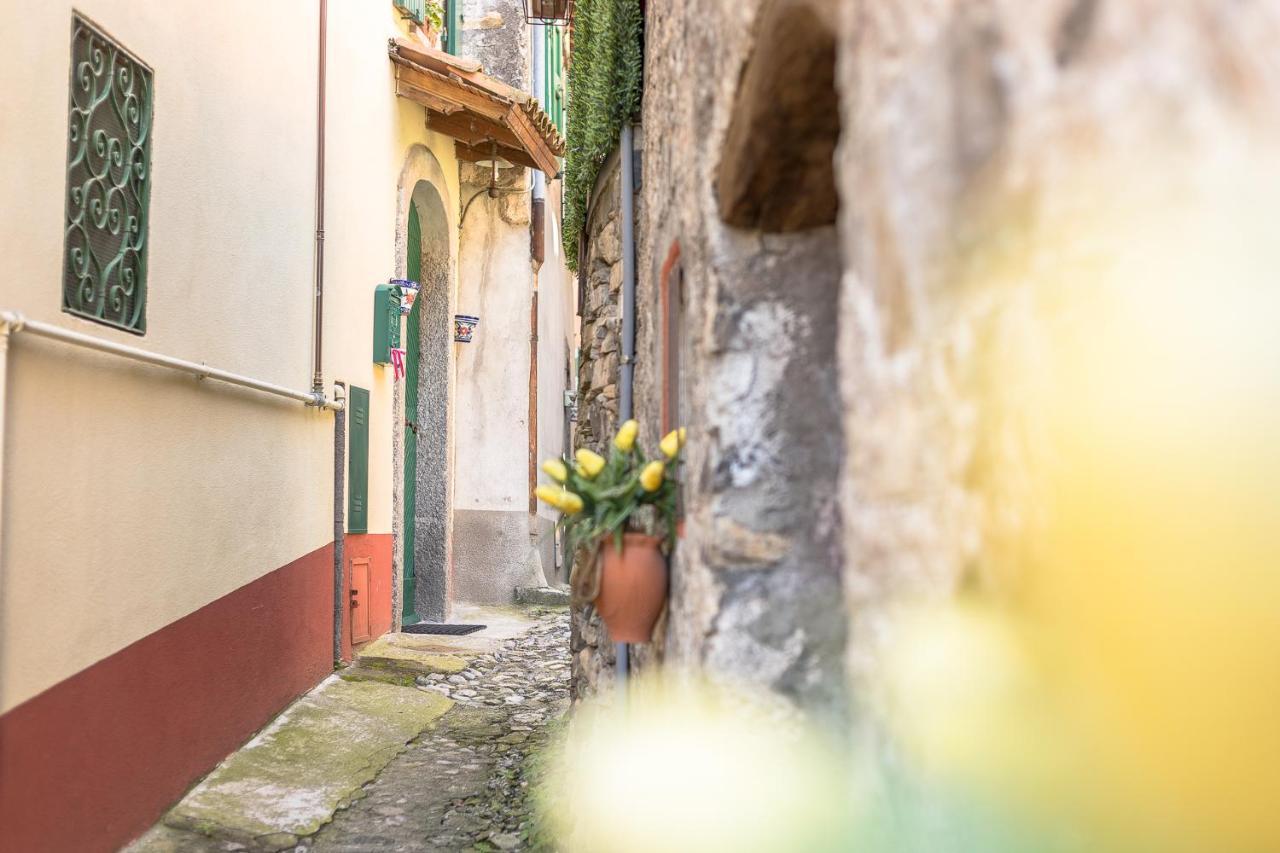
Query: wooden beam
point(483, 151)
point(532, 141)
point(426, 99)
point(472, 129)
point(452, 90)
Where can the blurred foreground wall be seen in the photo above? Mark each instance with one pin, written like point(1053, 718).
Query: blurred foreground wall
point(858, 224)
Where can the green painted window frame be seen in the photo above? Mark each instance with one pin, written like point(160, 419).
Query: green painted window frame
point(357, 460)
point(108, 192)
point(553, 96)
point(452, 25)
point(415, 10)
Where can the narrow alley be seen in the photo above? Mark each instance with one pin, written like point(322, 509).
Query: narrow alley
point(462, 783)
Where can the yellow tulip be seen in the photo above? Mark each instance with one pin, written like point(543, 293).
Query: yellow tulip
point(570, 503)
point(651, 476)
point(551, 495)
point(590, 463)
point(626, 437)
point(672, 442)
point(555, 470)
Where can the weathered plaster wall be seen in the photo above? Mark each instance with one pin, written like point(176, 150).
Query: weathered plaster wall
point(557, 349)
point(209, 487)
point(500, 543)
point(495, 553)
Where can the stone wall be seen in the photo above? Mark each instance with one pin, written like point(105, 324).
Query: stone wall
point(849, 448)
point(598, 374)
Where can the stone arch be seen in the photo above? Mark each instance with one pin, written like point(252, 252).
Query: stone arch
point(433, 328)
point(422, 187)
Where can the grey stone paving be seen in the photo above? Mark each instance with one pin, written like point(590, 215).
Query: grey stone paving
point(464, 783)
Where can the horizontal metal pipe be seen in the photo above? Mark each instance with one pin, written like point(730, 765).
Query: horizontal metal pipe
point(17, 323)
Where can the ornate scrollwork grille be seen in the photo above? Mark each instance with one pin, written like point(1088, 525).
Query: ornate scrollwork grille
point(104, 274)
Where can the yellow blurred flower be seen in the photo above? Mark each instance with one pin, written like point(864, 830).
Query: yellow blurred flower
point(570, 503)
point(672, 442)
point(552, 495)
point(626, 437)
point(590, 463)
point(556, 470)
point(651, 476)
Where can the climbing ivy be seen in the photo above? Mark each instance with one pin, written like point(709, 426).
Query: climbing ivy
point(605, 79)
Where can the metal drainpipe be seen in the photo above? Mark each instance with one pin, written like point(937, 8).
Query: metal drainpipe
point(5, 329)
point(339, 519)
point(317, 336)
point(626, 164)
point(538, 215)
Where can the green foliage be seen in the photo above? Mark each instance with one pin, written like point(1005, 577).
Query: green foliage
point(605, 80)
point(434, 13)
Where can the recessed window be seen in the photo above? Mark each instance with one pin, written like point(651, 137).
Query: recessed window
point(104, 274)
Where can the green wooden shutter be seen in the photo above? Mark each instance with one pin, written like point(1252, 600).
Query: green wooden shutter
point(358, 460)
point(452, 26)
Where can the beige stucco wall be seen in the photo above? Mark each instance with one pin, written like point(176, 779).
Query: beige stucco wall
point(133, 496)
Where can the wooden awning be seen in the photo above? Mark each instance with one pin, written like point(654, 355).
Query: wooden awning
point(479, 112)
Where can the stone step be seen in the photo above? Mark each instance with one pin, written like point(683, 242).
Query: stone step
point(544, 596)
point(405, 655)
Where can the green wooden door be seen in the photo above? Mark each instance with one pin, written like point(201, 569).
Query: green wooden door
point(409, 614)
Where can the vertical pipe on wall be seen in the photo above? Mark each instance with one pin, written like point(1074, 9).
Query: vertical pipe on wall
point(339, 519)
point(625, 408)
point(6, 328)
point(317, 336)
point(537, 86)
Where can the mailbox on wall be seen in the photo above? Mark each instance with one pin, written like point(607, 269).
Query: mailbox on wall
point(386, 322)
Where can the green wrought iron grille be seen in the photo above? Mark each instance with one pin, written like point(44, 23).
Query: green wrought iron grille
point(104, 274)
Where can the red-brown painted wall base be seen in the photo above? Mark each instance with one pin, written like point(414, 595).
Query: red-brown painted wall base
point(377, 547)
point(95, 760)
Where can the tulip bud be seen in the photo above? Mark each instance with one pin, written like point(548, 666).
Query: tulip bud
point(551, 495)
point(590, 463)
point(626, 437)
point(651, 476)
point(556, 470)
point(671, 443)
point(570, 503)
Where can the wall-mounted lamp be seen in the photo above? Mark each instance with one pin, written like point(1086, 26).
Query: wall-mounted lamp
point(548, 11)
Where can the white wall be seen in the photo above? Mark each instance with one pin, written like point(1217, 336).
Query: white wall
point(133, 496)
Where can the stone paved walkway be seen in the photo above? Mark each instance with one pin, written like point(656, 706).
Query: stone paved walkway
point(463, 784)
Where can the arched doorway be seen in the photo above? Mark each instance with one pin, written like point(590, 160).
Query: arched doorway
point(426, 446)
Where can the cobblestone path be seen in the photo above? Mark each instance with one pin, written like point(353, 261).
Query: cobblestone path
point(462, 785)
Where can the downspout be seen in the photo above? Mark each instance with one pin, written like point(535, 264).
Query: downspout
point(317, 346)
point(5, 329)
point(538, 213)
point(317, 335)
point(625, 408)
point(339, 519)
point(537, 254)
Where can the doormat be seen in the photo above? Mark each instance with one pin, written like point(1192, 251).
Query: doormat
point(441, 628)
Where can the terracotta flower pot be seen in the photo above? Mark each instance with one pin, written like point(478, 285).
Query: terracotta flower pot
point(633, 587)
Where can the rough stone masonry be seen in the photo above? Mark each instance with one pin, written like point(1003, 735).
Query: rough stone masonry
point(849, 449)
